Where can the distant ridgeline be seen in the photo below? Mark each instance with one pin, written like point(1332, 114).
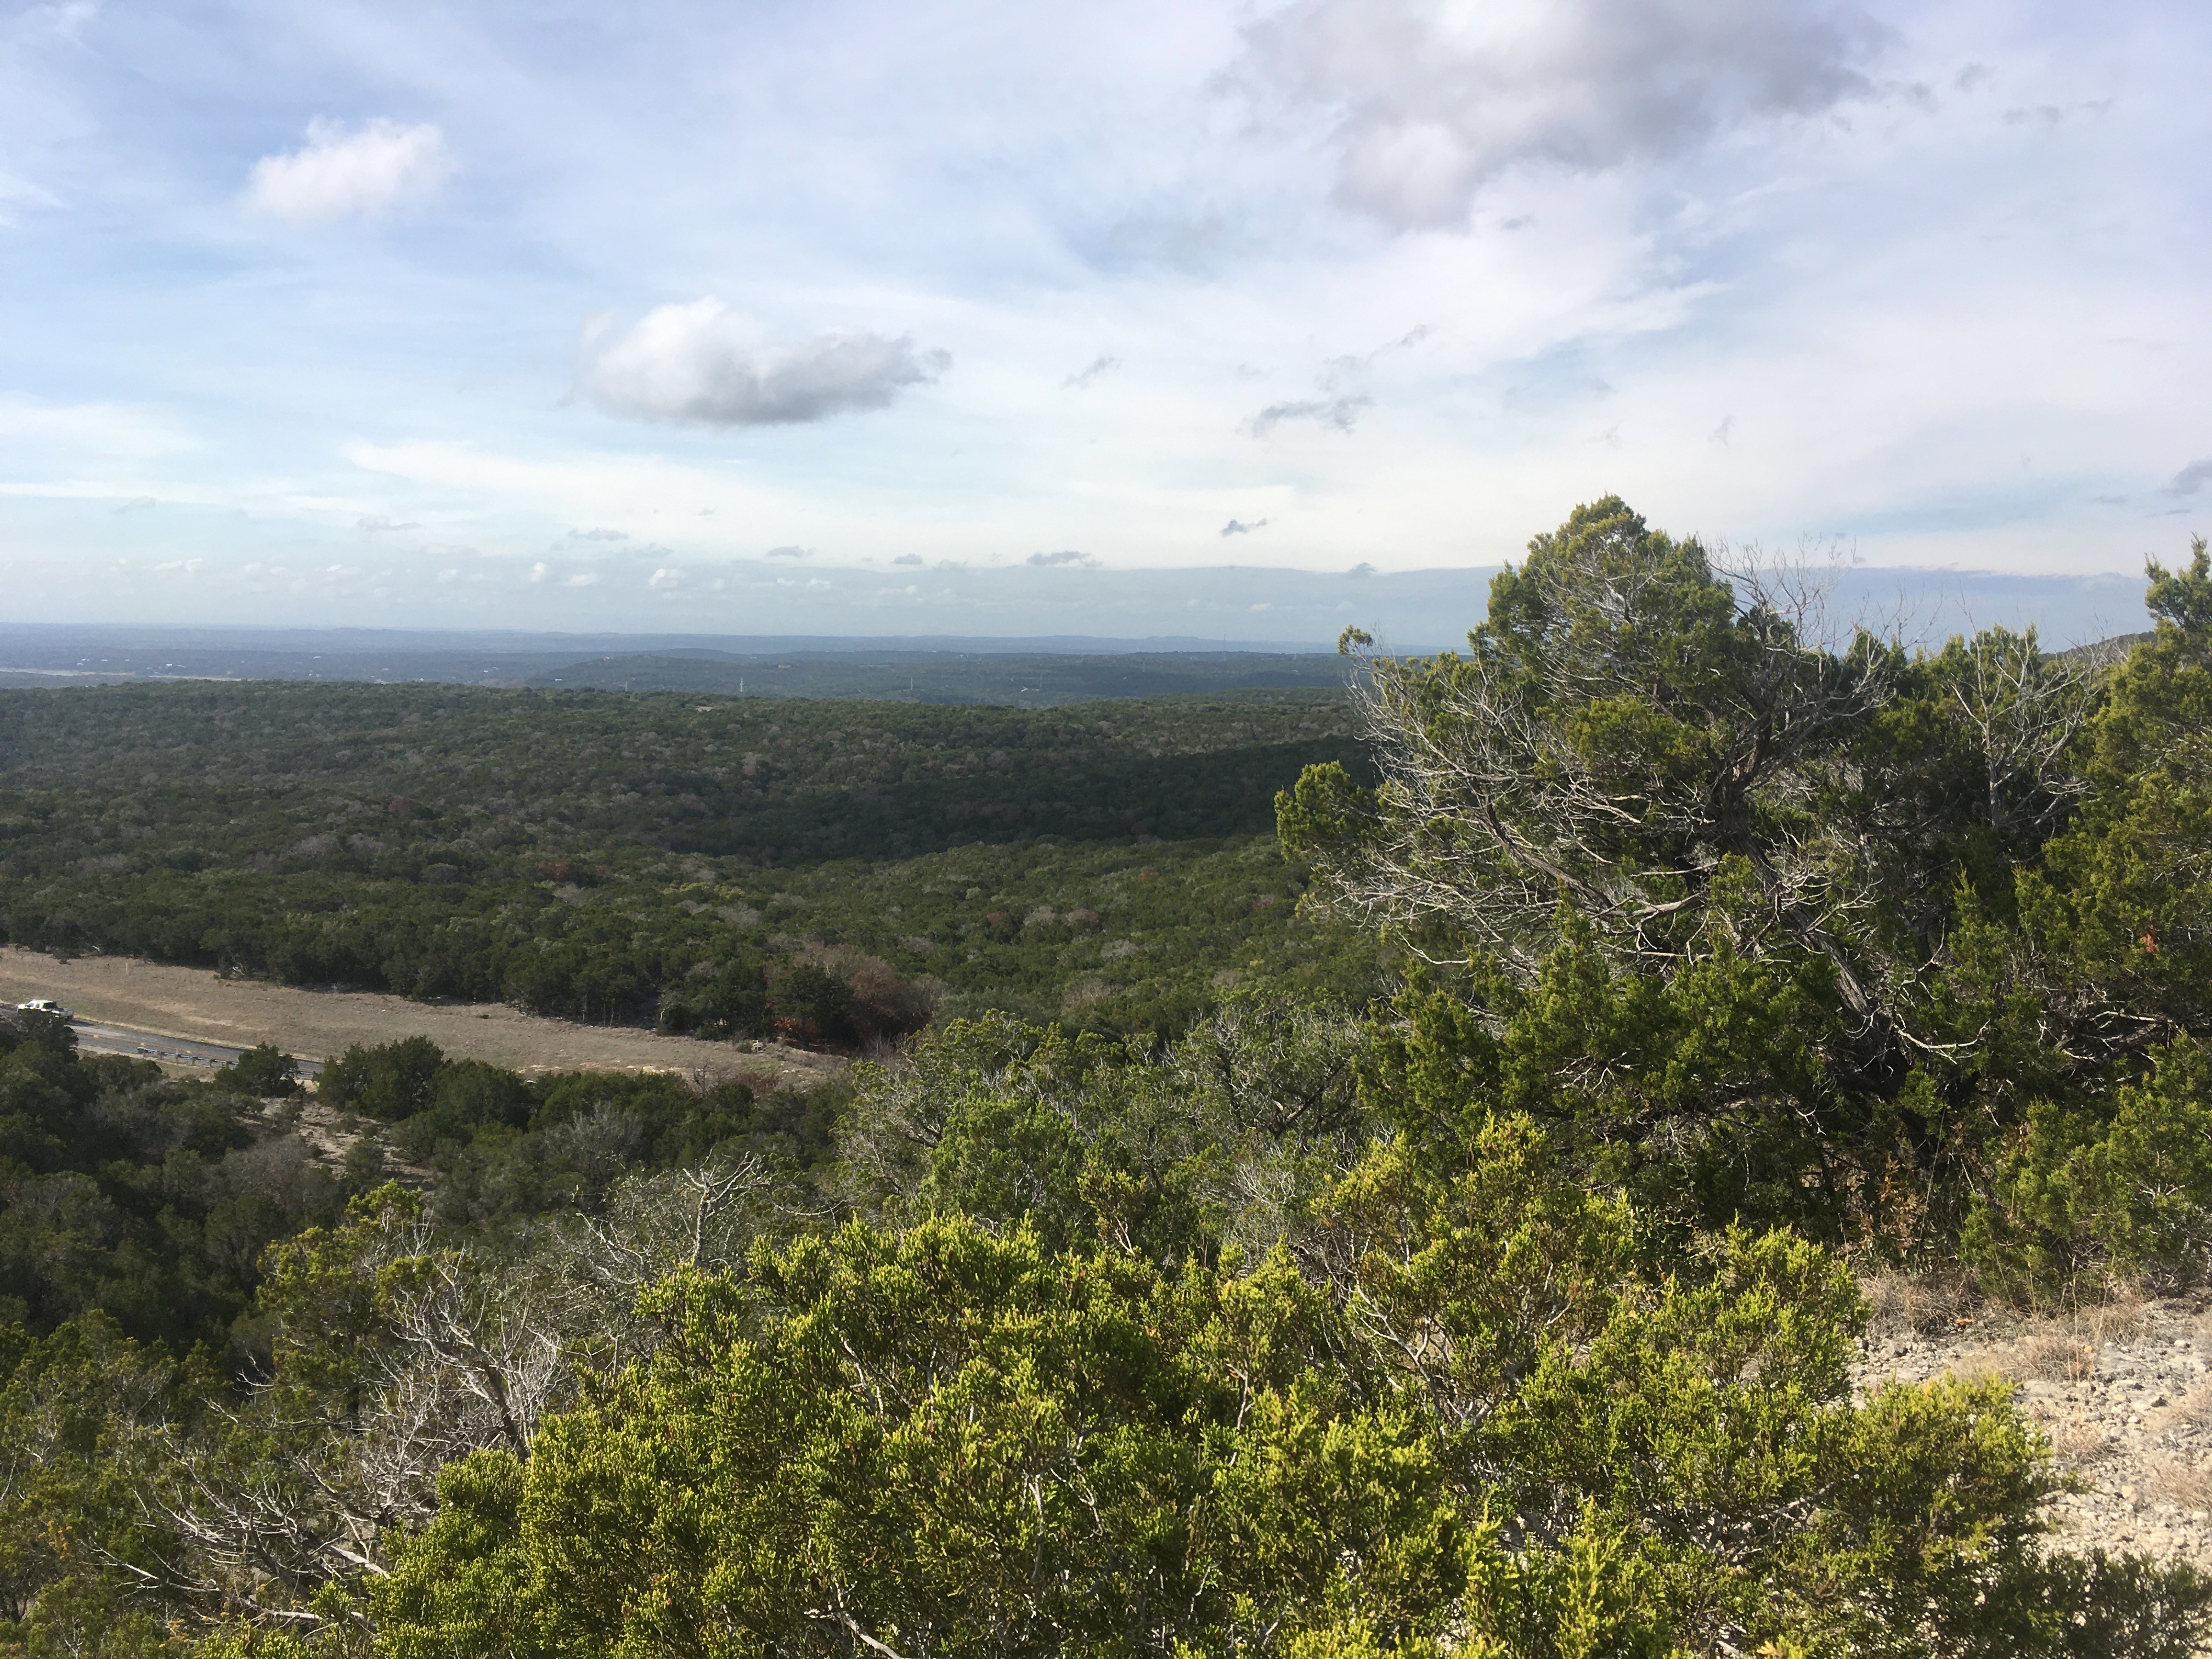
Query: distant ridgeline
point(1300, 612)
point(1030, 674)
point(831, 870)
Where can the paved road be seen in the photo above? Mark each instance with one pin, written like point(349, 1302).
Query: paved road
point(98, 1037)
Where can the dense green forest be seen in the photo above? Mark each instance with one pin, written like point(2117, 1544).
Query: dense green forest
point(725, 867)
point(1506, 1308)
point(1025, 680)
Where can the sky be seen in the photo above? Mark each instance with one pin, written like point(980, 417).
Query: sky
point(748, 317)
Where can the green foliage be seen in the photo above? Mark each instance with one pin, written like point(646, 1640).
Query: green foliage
point(154, 1200)
point(2182, 600)
point(147, 1199)
point(944, 1439)
point(1061, 1454)
point(1874, 945)
point(1009, 1160)
point(1619, 729)
point(391, 1081)
point(503, 1147)
point(1709, 1094)
point(659, 860)
point(462, 1588)
point(811, 1004)
point(321, 1293)
point(2104, 1171)
point(263, 1070)
point(2118, 918)
point(2084, 1196)
point(85, 1413)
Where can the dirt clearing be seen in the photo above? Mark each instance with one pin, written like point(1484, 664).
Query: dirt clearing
point(195, 1003)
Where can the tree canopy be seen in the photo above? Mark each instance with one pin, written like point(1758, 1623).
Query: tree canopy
point(1768, 923)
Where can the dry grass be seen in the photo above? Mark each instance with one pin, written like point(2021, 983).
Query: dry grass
point(1919, 1303)
point(2183, 1483)
point(2119, 1318)
point(2076, 1443)
point(2191, 1409)
point(2058, 1352)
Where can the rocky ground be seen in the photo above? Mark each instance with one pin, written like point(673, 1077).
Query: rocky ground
point(2124, 1389)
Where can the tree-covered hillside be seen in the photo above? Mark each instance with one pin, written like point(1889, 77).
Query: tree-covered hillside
point(717, 866)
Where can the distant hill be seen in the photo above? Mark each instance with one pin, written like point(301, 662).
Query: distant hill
point(1408, 612)
point(1042, 674)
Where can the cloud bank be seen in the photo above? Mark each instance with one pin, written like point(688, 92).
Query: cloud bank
point(338, 174)
point(1431, 101)
point(701, 361)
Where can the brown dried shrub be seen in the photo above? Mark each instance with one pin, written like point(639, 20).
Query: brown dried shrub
point(2186, 1484)
point(1922, 1303)
point(2055, 1353)
point(2076, 1443)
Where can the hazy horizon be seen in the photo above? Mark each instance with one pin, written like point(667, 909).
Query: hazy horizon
point(1249, 609)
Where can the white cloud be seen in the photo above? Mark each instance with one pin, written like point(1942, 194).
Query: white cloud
point(1433, 100)
point(1066, 556)
point(1084, 376)
point(701, 361)
point(338, 174)
point(1339, 413)
point(667, 576)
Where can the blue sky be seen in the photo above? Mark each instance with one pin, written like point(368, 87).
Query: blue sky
point(580, 317)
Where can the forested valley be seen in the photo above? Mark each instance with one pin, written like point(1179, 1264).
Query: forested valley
point(835, 871)
point(1333, 1176)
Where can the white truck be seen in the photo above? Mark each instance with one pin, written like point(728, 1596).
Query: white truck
point(43, 1006)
